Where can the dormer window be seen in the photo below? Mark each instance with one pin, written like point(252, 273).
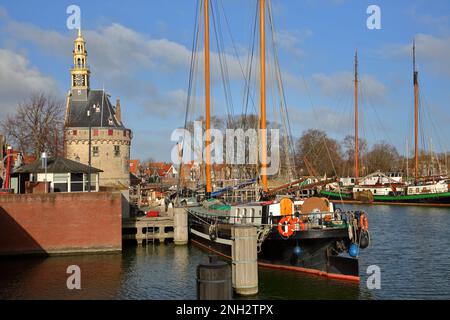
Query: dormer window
point(97, 108)
point(110, 121)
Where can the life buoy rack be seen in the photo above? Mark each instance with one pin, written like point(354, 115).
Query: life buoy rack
point(363, 222)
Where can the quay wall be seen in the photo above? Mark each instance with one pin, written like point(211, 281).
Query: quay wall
point(60, 223)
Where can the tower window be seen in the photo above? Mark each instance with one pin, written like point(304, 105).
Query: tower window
point(95, 151)
point(116, 151)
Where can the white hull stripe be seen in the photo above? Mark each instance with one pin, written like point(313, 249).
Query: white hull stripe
point(205, 236)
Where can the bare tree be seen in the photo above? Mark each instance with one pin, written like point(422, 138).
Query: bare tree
point(383, 157)
point(36, 126)
point(323, 153)
point(349, 154)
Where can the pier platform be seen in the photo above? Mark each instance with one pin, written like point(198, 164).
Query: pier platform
point(146, 230)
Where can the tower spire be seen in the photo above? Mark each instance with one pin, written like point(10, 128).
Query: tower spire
point(80, 71)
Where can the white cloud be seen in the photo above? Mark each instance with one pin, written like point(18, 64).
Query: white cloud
point(332, 85)
point(432, 52)
point(18, 79)
point(127, 62)
point(323, 118)
point(291, 41)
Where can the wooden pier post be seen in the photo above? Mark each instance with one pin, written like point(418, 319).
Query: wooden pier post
point(180, 227)
point(245, 260)
point(214, 280)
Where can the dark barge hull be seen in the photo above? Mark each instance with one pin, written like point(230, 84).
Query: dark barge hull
point(317, 254)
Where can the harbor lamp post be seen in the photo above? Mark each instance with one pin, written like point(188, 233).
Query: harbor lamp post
point(44, 157)
point(89, 160)
point(7, 181)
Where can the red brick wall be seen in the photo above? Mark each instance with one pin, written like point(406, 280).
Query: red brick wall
point(60, 222)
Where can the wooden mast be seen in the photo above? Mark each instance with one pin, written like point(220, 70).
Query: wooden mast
point(416, 115)
point(207, 102)
point(262, 7)
point(356, 121)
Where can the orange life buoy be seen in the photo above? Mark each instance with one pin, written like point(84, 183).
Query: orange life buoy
point(286, 222)
point(301, 224)
point(364, 222)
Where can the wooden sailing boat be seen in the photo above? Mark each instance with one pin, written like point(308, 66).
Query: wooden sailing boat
point(392, 189)
point(306, 236)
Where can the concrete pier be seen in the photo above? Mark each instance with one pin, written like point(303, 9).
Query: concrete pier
point(180, 226)
point(145, 230)
point(245, 260)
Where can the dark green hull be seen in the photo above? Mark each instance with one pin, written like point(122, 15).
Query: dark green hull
point(336, 195)
point(436, 198)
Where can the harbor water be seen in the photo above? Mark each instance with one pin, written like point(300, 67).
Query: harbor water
point(410, 245)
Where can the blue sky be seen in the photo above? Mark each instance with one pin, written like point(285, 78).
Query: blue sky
point(139, 51)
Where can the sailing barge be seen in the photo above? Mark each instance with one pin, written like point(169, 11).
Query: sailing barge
point(431, 189)
point(305, 235)
point(325, 242)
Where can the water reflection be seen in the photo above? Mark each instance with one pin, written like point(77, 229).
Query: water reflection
point(411, 245)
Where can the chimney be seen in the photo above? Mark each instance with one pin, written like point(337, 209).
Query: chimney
point(118, 112)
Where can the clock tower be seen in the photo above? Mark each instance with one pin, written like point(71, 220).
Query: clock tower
point(80, 70)
point(94, 131)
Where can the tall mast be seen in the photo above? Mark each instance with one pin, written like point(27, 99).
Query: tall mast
point(262, 35)
point(416, 115)
point(207, 103)
point(356, 121)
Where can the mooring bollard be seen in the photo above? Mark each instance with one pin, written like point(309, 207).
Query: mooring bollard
point(180, 226)
point(245, 260)
point(214, 280)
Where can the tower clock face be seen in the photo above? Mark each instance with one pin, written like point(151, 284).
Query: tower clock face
point(79, 80)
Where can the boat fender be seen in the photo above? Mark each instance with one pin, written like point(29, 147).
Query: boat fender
point(364, 239)
point(353, 251)
point(212, 233)
point(289, 223)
